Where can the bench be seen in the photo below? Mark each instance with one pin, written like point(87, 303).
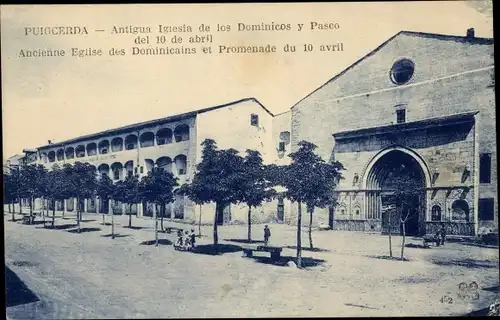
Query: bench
point(274, 251)
point(28, 219)
point(430, 239)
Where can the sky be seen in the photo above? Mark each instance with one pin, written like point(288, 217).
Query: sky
point(59, 98)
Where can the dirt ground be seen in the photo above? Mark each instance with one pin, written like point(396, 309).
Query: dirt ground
point(89, 275)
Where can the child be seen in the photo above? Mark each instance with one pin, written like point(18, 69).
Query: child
point(267, 235)
point(179, 238)
point(193, 238)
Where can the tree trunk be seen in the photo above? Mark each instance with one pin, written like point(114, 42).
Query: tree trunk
point(78, 213)
point(310, 228)
point(53, 214)
point(390, 232)
point(199, 224)
point(404, 238)
point(64, 208)
point(155, 216)
point(162, 213)
point(249, 224)
point(13, 215)
point(31, 205)
point(216, 237)
point(299, 240)
point(112, 225)
point(20, 206)
point(130, 217)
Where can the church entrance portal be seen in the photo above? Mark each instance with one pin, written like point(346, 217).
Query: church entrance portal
point(400, 184)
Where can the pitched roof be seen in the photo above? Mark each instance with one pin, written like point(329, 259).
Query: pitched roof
point(146, 124)
point(463, 39)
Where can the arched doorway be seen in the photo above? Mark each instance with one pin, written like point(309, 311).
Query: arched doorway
point(396, 182)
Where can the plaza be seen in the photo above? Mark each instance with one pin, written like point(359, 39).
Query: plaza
point(89, 275)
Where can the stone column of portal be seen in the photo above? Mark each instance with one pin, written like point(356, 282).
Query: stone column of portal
point(140, 210)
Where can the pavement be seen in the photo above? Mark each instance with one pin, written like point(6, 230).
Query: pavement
point(89, 275)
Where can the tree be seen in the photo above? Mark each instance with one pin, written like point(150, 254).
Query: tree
point(157, 187)
point(255, 188)
point(82, 183)
point(310, 180)
point(105, 189)
point(217, 177)
point(55, 187)
point(195, 193)
point(9, 191)
point(127, 191)
point(33, 179)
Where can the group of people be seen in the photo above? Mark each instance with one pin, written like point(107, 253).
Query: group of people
point(185, 240)
point(440, 236)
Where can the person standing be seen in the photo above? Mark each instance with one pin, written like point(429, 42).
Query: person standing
point(267, 235)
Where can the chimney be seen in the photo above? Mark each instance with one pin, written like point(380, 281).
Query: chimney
point(470, 33)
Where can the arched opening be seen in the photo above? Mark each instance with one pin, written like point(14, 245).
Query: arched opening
point(147, 139)
point(436, 213)
point(103, 147)
point(181, 133)
point(129, 168)
point(117, 169)
point(180, 164)
point(178, 205)
point(60, 155)
point(70, 153)
point(45, 158)
point(117, 144)
point(131, 142)
point(52, 156)
point(460, 210)
point(164, 136)
point(164, 163)
point(80, 151)
point(149, 165)
point(397, 184)
point(103, 170)
point(91, 149)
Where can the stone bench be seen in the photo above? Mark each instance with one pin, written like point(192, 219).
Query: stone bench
point(274, 251)
point(29, 219)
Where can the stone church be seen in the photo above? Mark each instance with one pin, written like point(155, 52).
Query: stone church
point(420, 108)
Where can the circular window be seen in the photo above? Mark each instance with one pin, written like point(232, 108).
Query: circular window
point(402, 71)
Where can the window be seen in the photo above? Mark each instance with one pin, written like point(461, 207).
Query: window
point(142, 169)
point(485, 209)
point(401, 116)
point(460, 210)
point(160, 141)
point(182, 171)
point(254, 120)
point(104, 151)
point(281, 147)
point(130, 146)
point(402, 71)
point(116, 174)
point(135, 170)
point(129, 174)
point(357, 211)
point(92, 203)
point(436, 213)
point(485, 168)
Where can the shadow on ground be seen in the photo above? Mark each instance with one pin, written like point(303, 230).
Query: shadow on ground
point(307, 262)
point(308, 249)
point(388, 258)
point(244, 241)
point(60, 227)
point(467, 263)
point(210, 249)
point(106, 224)
point(116, 235)
point(419, 246)
point(160, 241)
point(493, 289)
point(480, 245)
point(83, 230)
point(135, 228)
point(16, 291)
point(88, 220)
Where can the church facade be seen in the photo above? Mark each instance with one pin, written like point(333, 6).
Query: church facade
point(418, 108)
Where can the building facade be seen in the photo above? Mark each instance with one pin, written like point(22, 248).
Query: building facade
point(420, 107)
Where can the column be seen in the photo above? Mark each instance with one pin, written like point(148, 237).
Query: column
point(110, 210)
point(97, 205)
point(85, 202)
point(75, 205)
point(123, 208)
point(64, 205)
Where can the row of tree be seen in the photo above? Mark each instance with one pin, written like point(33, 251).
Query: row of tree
point(223, 177)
